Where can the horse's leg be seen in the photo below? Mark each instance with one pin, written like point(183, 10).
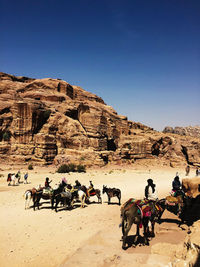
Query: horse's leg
point(145, 226)
point(108, 200)
point(152, 228)
point(127, 227)
point(57, 201)
point(119, 198)
point(83, 201)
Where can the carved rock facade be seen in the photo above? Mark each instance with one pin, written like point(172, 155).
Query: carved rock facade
point(50, 121)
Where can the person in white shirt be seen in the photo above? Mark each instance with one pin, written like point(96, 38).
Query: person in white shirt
point(150, 191)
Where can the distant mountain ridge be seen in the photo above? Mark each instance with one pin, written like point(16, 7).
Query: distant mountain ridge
point(193, 131)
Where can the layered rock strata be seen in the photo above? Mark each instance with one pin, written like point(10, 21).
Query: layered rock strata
point(50, 121)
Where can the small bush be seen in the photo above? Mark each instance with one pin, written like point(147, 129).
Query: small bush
point(30, 167)
point(6, 136)
point(81, 168)
point(72, 167)
point(82, 158)
point(63, 168)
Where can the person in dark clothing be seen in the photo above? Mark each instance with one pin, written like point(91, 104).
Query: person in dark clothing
point(47, 182)
point(176, 184)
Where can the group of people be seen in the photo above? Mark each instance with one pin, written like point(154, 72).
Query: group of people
point(16, 178)
point(64, 183)
point(151, 192)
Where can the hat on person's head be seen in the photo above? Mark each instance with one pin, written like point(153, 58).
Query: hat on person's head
point(64, 180)
point(150, 181)
point(47, 178)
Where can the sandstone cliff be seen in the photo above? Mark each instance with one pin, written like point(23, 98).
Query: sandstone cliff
point(50, 121)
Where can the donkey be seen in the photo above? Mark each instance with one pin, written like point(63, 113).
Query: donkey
point(131, 213)
point(112, 192)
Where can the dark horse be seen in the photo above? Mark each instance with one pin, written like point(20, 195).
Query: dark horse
point(64, 197)
point(40, 194)
point(112, 192)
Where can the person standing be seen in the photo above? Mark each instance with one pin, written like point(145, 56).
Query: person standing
point(187, 170)
point(9, 178)
point(150, 190)
point(25, 178)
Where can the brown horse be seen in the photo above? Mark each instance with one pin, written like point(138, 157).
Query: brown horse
point(90, 192)
point(130, 214)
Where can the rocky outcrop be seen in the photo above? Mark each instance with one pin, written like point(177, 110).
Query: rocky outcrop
point(186, 254)
point(193, 131)
point(50, 121)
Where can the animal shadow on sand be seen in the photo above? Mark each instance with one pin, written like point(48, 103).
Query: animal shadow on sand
point(112, 203)
point(169, 221)
point(140, 241)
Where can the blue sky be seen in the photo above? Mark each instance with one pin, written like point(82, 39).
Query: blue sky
point(141, 56)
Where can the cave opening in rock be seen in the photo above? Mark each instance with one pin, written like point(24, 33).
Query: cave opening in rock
point(111, 146)
point(72, 114)
point(38, 120)
point(155, 150)
point(105, 158)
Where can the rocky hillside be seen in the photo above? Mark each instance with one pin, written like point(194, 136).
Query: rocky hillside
point(193, 131)
point(50, 121)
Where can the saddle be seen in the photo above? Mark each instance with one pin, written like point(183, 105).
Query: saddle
point(66, 194)
point(173, 201)
point(47, 191)
point(143, 205)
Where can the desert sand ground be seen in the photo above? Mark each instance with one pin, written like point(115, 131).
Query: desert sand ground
point(80, 237)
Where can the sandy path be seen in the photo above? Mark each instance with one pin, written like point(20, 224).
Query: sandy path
point(46, 238)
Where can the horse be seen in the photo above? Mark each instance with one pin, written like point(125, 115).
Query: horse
point(112, 192)
point(48, 195)
point(28, 195)
point(65, 197)
point(89, 193)
point(133, 212)
point(79, 196)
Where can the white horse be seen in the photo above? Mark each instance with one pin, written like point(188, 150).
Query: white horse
point(81, 196)
point(28, 195)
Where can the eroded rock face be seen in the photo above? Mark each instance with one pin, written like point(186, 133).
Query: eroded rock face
point(186, 254)
point(193, 131)
point(49, 120)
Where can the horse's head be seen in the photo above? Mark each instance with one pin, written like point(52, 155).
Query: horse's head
point(104, 189)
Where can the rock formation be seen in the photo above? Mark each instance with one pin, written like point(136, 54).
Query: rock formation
point(186, 254)
point(50, 121)
point(193, 131)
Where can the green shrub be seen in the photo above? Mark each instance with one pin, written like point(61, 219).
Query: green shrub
point(30, 167)
point(72, 167)
point(63, 168)
point(81, 168)
point(6, 136)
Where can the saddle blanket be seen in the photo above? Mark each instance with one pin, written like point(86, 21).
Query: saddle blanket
point(172, 201)
point(47, 191)
point(143, 205)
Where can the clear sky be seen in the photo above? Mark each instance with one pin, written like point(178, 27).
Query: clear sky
point(141, 56)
